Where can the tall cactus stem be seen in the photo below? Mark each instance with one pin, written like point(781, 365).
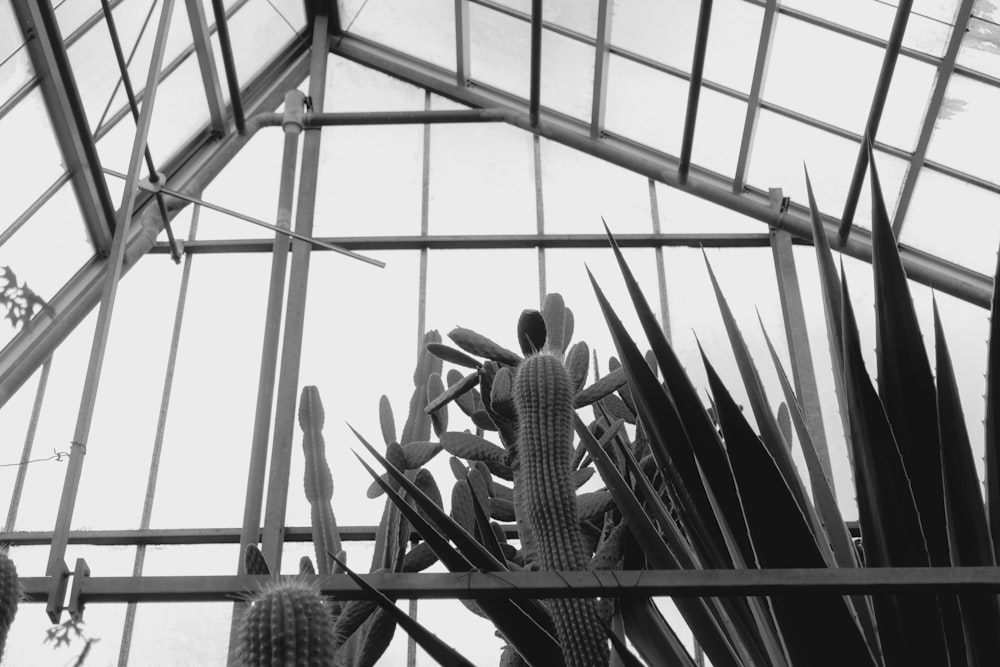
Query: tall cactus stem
point(10, 594)
point(544, 400)
point(318, 479)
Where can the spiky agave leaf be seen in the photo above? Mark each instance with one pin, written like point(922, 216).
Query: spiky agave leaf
point(782, 538)
point(968, 534)
point(992, 449)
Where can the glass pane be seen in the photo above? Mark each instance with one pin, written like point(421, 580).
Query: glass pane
point(906, 105)
point(979, 49)
point(733, 37)
point(579, 17)
point(681, 212)
point(15, 62)
point(567, 75)
point(718, 132)
point(406, 26)
point(954, 220)
point(181, 633)
point(965, 136)
point(662, 31)
point(500, 50)
point(72, 14)
point(579, 190)
point(125, 418)
point(822, 74)
point(359, 165)
point(645, 105)
point(780, 147)
point(27, 133)
point(205, 449)
point(48, 249)
point(489, 190)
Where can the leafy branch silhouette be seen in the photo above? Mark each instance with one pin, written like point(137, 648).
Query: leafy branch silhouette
point(20, 301)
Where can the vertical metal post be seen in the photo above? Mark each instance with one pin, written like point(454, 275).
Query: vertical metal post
point(56, 563)
point(767, 29)
point(257, 468)
point(661, 271)
point(29, 442)
point(462, 41)
point(206, 63)
point(694, 90)
point(161, 427)
point(291, 353)
point(797, 335)
point(944, 72)
point(222, 29)
point(601, 59)
point(539, 217)
point(425, 198)
point(534, 101)
point(875, 114)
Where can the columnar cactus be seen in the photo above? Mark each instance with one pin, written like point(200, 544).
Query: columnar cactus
point(543, 396)
point(288, 623)
point(10, 593)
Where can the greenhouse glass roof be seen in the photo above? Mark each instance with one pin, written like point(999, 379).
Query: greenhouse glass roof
point(684, 125)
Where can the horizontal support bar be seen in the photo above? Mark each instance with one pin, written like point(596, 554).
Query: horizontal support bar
point(189, 536)
point(502, 241)
point(328, 119)
point(529, 585)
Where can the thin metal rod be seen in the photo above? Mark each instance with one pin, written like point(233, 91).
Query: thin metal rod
point(126, 81)
point(694, 89)
point(425, 199)
point(202, 42)
point(29, 443)
point(135, 47)
point(246, 218)
point(767, 29)
point(534, 97)
point(291, 353)
point(565, 584)
point(875, 114)
point(602, 56)
point(463, 41)
point(161, 428)
point(943, 76)
point(539, 216)
point(64, 518)
point(797, 335)
point(226, 47)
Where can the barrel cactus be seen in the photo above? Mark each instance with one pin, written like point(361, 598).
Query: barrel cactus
point(10, 594)
point(287, 623)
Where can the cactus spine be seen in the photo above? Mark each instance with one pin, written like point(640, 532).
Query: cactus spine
point(288, 623)
point(10, 593)
point(543, 396)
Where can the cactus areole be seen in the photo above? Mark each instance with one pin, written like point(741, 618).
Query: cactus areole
point(543, 396)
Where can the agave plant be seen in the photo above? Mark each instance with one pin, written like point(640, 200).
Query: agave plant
point(696, 486)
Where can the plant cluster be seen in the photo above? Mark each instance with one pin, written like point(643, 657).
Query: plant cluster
point(689, 486)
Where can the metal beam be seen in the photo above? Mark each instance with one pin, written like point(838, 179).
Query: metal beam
point(226, 47)
point(189, 172)
point(488, 241)
point(602, 56)
point(875, 114)
point(922, 267)
point(81, 434)
point(295, 313)
point(312, 119)
point(943, 76)
point(534, 95)
point(206, 63)
point(694, 89)
point(767, 28)
point(69, 120)
point(566, 584)
point(463, 57)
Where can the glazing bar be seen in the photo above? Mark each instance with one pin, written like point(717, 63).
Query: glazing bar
point(229, 64)
point(694, 90)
